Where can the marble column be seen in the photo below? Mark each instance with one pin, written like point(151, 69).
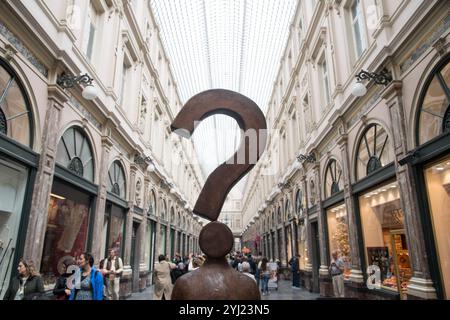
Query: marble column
point(129, 217)
point(100, 204)
point(356, 274)
point(421, 284)
point(177, 249)
point(308, 266)
point(323, 270)
point(37, 224)
point(158, 238)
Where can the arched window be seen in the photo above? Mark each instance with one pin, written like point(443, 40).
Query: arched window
point(152, 204)
point(374, 151)
point(164, 211)
point(75, 153)
point(172, 216)
point(116, 179)
point(287, 210)
point(273, 221)
point(312, 193)
point(280, 215)
point(16, 120)
point(333, 178)
point(434, 112)
point(299, 202)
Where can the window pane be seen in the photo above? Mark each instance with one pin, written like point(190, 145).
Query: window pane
point(115, 239)
point(437, 179)
point(69, 142)
point(62, 157)
point(382, 220)
point(91, 41)
point(338, 236)
point(13, 181)
point(446, 74)
point(15, 110)
point(374, 151)
point(67, 229)
point(433, 109)
point(302, 246)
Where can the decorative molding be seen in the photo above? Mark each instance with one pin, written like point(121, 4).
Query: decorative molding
point(19, 45)
point(437, 33)
point(368, 105)
point(89, 116)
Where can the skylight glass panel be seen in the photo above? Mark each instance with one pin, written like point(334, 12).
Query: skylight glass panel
point(229, 44)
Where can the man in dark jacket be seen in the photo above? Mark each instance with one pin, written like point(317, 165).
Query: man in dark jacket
point(295, 269)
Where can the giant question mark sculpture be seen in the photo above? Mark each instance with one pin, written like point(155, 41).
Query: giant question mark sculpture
point(216, 279)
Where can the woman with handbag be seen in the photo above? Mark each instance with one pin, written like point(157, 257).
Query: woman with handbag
point(61, 290)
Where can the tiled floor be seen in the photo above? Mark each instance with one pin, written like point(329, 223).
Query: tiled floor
point(284, 292)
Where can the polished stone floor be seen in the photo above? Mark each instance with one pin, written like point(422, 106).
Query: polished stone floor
point(284, 292)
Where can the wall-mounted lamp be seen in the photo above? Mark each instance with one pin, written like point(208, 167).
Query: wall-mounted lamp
point(382, 78)
point(66, 81)
point(308, 158)
point(172, 189)
point(139, 159)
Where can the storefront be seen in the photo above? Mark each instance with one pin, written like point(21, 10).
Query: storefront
point(71, 207)
point(115, 211)
point(430, 162)
point(302, 247)
point(381, 226)
point(338, 238)
point(384, 236)
point(288, 233)
point(18, 165)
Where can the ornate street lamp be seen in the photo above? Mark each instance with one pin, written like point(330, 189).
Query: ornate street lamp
point(311, 158)
point(382, 78)
point(66, 82)
point(142, 159)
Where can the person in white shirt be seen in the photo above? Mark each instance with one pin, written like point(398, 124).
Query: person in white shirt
point(246, 270)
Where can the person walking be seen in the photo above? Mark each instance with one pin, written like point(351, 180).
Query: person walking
point(246, 269)
point(28, 284)
point(163, 281)
point(264, 274)
point(336, 271)
point(295, 270)
point(90, 286)
point(113, 268)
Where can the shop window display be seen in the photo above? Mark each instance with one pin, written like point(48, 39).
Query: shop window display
point(162, 245)
point(67, 229)
point(382, 219)
point(13, 180)
point(302, 245)
point(116, 229)
point(437, 177)
point(149, 247)
point(338, 236)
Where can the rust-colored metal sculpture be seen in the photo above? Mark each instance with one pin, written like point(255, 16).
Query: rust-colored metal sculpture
point(216, 279)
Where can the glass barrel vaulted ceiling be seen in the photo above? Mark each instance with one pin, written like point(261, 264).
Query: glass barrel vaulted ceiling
point(230, 44)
